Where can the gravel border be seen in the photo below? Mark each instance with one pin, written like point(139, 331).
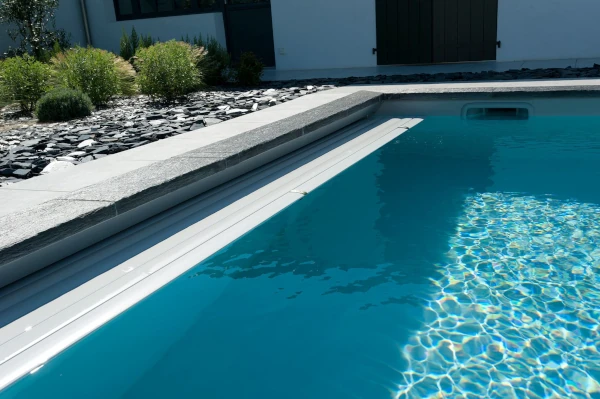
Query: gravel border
point(33, 149)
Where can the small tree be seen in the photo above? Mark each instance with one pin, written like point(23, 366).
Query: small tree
point(25, 80)
point(33, 21)
point(126, 51)
point(135, 40)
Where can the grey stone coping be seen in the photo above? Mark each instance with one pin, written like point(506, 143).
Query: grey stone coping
point(486, 90)
point(65, 216)
point(496, 93)
point(26, 231)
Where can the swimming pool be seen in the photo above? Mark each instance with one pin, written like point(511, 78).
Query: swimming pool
point(456, 261)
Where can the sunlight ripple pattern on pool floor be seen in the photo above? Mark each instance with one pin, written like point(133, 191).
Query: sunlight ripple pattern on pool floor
point(518, 310)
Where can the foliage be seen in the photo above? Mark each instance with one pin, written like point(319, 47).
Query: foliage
point(134, 39)
point(131, 43)
point(126, 49)
point(215, 66)
point(147, 41)
point(126, 75)
point(99, 74)
point(24, 80)
point(169, 70)
point(33, 22)
point(62, 105)
point(47, 54)
point(249, 70)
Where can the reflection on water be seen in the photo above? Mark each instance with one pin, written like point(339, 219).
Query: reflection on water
point(404, 276)
point(516, 315)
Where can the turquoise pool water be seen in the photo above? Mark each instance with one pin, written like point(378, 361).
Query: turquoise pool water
point(458, 261)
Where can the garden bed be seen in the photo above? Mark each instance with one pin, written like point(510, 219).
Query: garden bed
point(29, 149)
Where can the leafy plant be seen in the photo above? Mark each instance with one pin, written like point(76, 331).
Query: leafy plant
point(216, 64)
point(131, 43)
point(33, 22)
point(169, 70)
point(127, 77)
point(47, 54)
point(125, 47)
point(99, 74)
point(249, 70)
point(135, 41)
point(146, 41)
point(62, 105)
point(24, 80)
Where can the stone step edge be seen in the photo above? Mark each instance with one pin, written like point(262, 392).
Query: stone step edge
point(46, 233)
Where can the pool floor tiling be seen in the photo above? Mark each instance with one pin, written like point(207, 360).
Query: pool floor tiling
point(458, 261)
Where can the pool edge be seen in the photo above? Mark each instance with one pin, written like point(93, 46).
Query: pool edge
point(46, 233)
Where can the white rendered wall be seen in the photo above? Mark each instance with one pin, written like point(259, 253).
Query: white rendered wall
point(316, 34)
point(548, 29)
point(106, 30)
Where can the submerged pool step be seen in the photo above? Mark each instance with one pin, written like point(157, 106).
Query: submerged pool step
point(198, 208)
point(32, 340)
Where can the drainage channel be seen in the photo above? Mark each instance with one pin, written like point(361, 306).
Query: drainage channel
point(223, 215)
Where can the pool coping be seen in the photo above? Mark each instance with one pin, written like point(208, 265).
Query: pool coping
point(60, 222)
point(45, 233)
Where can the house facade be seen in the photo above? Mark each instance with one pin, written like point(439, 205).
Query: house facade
point(318, 34)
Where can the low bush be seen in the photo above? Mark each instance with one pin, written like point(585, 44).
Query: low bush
point(126, 75)
point(99, 74)
point(215, 65)
point(24, 80)
point(62, 105)
point(130, 44)
point(249, 70)
point(126, 49)
point(147, 41)
point(169, 70)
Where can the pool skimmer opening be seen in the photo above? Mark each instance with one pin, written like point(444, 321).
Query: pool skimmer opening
point(497, 111)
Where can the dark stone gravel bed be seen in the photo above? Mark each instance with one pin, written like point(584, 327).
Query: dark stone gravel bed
point(28, 149)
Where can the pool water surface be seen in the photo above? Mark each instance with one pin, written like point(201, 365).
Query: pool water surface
point(458, 261)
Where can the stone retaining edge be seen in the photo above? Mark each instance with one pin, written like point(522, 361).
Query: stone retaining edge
point(39, 236)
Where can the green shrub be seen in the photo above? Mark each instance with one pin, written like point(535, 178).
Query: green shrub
point(146, 41)
point(169, 70)
point(99, 74)
point(126, 75)
point(62, 105)
point(249, 70)
point(216, 63)
point(24, 80)
point(135, 41)
point(130, 44)
point(125, 47)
